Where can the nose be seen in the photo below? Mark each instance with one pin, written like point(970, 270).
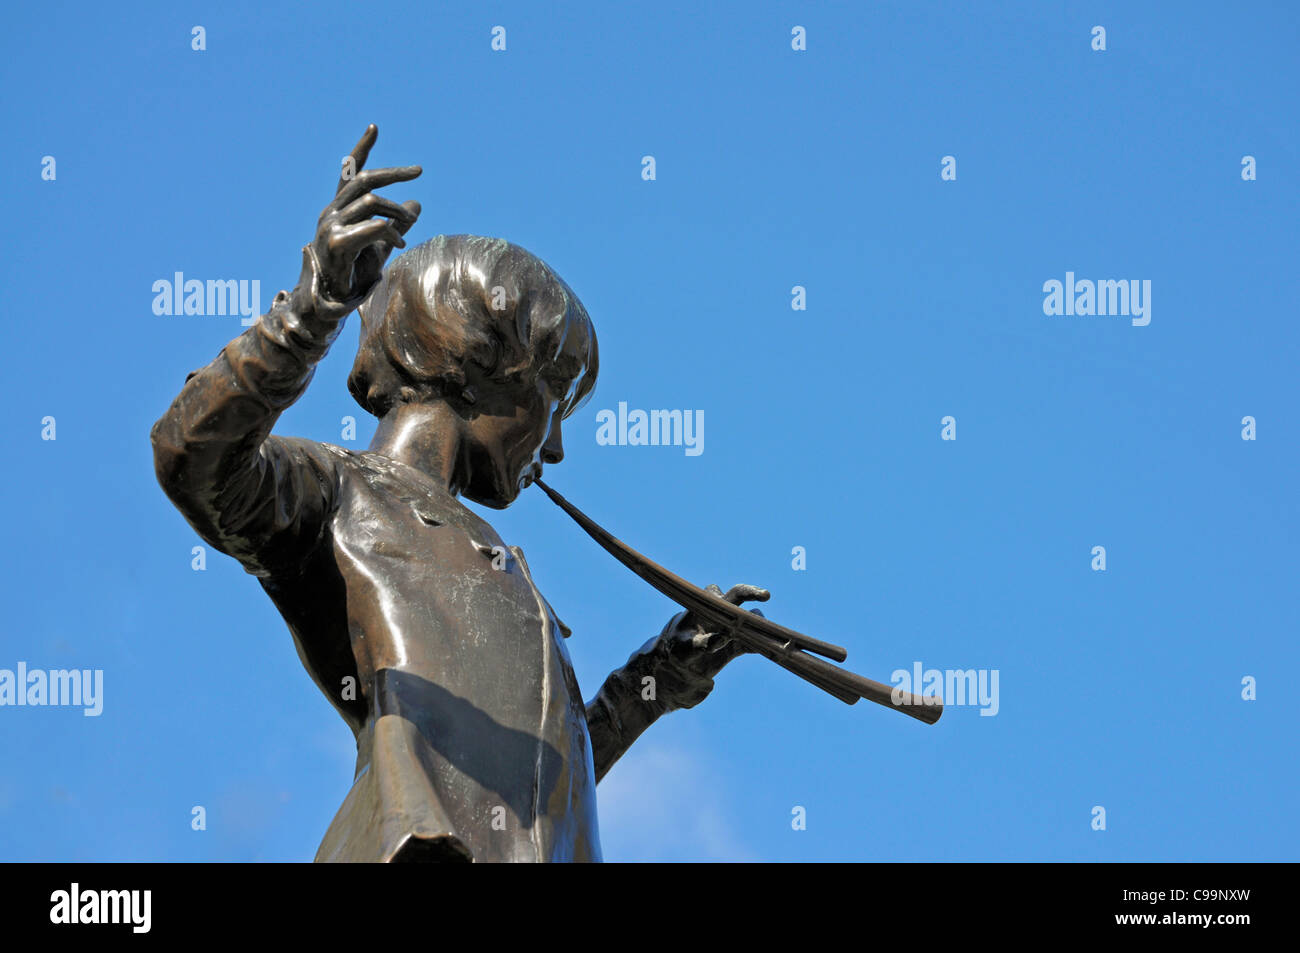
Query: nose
point(553, 449)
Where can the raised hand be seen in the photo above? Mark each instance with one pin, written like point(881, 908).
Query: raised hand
point(358, 230)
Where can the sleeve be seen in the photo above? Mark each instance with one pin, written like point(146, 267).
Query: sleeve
point(258, 498)
point(652, 683)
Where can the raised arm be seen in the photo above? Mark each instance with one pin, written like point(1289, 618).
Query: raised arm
point(673, 670)
point(255, 497)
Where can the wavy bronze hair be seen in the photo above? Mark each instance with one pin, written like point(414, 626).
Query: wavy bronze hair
point(458, 300)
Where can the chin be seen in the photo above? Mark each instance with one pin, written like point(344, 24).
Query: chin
point(490, 501)
point(494, 497)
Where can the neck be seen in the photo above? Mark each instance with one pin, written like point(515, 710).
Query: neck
point(426, 437)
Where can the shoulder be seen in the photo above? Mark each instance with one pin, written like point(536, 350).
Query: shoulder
point(396, 481)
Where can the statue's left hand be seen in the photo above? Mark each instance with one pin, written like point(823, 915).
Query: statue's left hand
point(705, 652)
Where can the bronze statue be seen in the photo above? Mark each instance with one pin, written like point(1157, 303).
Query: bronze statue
point(420, 625)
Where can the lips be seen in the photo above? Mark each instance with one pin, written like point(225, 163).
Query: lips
point(533, 472)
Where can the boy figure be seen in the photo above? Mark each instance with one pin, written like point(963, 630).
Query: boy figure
point(422, 628)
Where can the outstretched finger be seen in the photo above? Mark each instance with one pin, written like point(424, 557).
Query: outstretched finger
point(372, 179)
point(355, 160)
point(738, 594)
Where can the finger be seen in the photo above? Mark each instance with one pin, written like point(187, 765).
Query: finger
point(359, 154)
point(368, 233)
point(382, 249)
point(413, 208)
point(372, 179)
point(370, 205)
point(738, 594)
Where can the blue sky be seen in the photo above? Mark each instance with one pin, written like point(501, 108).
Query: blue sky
point(775, 168)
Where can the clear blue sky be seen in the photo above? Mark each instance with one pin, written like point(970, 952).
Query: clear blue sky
point(775, 168)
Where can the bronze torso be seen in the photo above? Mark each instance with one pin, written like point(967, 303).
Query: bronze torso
point(471, 730)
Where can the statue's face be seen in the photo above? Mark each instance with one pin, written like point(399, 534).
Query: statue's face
point(510, 434)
